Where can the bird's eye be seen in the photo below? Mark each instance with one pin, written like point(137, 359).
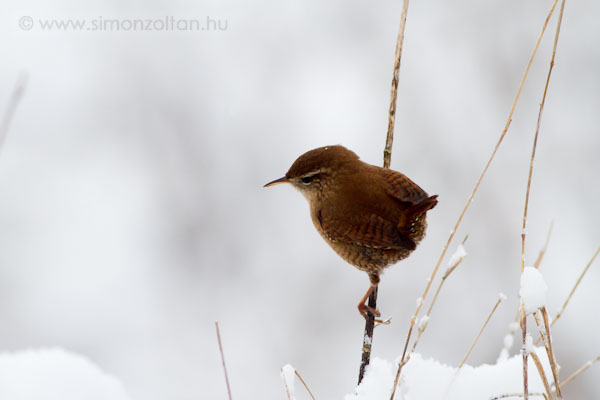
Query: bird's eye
point(306, 179)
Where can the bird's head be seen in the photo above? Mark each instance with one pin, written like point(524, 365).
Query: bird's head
point(318, 169)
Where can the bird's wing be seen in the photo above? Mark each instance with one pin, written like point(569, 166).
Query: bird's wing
point(368, 230)
point(401, 188)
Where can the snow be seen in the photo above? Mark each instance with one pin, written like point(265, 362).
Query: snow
point(377, 383)
point(533, 290)
point(508, 341)
point(55, 374)
point(288, 374)
point(529, 348)
point(428, 379)
point(458, 255)
point(423, 322)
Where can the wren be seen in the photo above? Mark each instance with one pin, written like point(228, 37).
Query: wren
point(372, 217)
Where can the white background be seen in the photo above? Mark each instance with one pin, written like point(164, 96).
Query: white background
point(132, 213)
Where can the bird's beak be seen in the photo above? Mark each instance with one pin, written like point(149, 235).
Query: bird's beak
point(277, 182)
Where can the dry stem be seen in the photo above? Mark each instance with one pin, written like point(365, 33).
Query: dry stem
point(524, 353)
point(562, 309)
point(472, 195)
point(579, 371)
point(12, 107)
point(422, 328)
point(524, 233)
point(550, 351)
point(387, 158)
point(223, 359)
point(504, 396)
point(558, 315)
point(542, 373)
point(368, 337)
point(387, 152)
point(305, 385)
point(480, 332)
point(287, 389)
point(542, 253)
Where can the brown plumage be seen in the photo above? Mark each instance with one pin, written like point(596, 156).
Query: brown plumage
point(372, 217)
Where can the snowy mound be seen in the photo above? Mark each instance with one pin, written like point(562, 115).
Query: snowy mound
point(430, 380)
point(55, 374)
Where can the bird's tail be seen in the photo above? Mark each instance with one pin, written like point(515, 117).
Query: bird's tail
point(424, 206)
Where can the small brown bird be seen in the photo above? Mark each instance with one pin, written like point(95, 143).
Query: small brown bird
point(372, 217)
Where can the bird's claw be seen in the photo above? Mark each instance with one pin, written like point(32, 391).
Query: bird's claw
point(386, 321)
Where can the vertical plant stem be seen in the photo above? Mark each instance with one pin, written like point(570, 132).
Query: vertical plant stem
point(11, 108)
point(223, 360)
point(472, 195)
point(387, 152)
point(579, 371)
point(524, 353)
point(480, 332)
point(540, 369)
point(550, 352)
point(368, 337)
point(524, 230)
point(562, 309)
point(387, 158)
point(305, 385)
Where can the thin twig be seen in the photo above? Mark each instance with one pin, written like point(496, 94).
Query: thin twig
point(507, 395)
point(287, 389)
point(537, 264)
point(368, 337)
point(527, 192)
point(424, 323)
point(562, 309)
point(387, 152)
point(500, 298)
point(550, 351)
point(387, 158)
point(542, 253)
point(223, 359)
point(579, 371)
point(305, 385)
point(11, 108)
point(471, 196)
point(542, 374)
point(524, 352)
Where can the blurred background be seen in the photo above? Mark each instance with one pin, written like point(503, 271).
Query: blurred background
point(132, 213)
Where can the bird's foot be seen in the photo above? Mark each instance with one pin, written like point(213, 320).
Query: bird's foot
point(386, 321)
point(363, 309)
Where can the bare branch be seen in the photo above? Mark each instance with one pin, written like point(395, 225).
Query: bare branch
point(387, 152)
point(542, 374)
point(387, 158)
point(12, 107)
point(223, 359)
point(305, 385)
point(559, 314)
point(579, 371)
point(542, 253)
point(472, 195)
point(507, 395)
point(424, 324)
point(500, 298)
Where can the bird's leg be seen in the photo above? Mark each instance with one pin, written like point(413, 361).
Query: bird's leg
point(363, 308)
